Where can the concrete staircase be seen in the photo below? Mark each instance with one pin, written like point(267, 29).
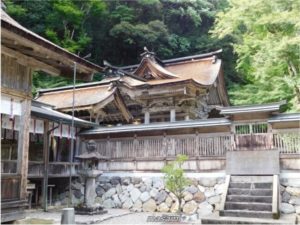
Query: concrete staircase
point(248, 200)
point(249, 197)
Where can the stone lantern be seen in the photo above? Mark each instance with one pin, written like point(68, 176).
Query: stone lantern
point(89, 173)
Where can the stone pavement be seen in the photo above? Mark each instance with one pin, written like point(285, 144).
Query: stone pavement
point(113, 216)
point(53, 216)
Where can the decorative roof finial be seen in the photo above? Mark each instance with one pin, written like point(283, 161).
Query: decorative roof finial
point(147, 53)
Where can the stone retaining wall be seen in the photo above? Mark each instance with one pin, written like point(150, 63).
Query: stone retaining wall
point(290, 195)
point(148, 194)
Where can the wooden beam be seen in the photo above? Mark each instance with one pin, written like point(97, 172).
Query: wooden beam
point(122, 107)
point(29, 61)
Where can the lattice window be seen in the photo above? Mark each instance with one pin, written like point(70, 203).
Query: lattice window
point(242, 129)
point(251, 128)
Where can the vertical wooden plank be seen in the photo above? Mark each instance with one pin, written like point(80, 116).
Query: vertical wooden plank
point(46, 165)
point(23, 146)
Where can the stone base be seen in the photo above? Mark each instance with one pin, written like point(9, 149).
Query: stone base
point(90, 210)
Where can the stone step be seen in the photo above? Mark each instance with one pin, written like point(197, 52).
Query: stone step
point(251, 179)
point(239, 185)
point(246, 213)
point(251, 192)
point(251, 185)
point(247, 198)
point(248, 206)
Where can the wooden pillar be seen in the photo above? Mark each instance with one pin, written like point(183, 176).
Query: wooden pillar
point(46, 165)
point(23, 147)
point(172, 115)
point(147, 117)
point(187, 117)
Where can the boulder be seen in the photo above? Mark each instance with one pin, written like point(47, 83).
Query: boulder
point(294, 200)
point(136, 180)
point(130, 187)
point(117, 201)
point(204, 209)
point(145, 196)
point(293, 191)
point(149, 206)
point(286, 208)
point(192, 189)
point(209, 192)
point(158, 183)
point(193, 181)
point(174, 207)
point(153, 192)
point(199, 197)
point(125, 181)
point(291, 182)
point(190, 207)
point(119, 189)
point(108, 203)
point(214, 199)
point(137, 206)
point(98, 200)
point(135, 194)
point(219, 188)
point(161, 196)
point(285, 197)
point(163, 207)
point(127, 204)
point(115, 180)
point(124, 196)
point(169, 201)
point(100, 191)
point(143, 188)
point(109, 193)
point(187, 196)
point(106, 186)
point(201, 188)
point(208, 182)
point(148, 182)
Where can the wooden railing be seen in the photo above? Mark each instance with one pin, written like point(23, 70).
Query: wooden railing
point(56, 169)
point(287, 142)
point(9, 166)
point(170, 146)
point(259, 141)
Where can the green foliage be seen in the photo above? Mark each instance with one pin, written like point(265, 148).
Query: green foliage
point(41, 80)
point(266, 40)
point(118, 30)
point(174, 178)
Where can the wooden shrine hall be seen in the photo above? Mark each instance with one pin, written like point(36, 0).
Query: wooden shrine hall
point(151, 112)
point(22, 53)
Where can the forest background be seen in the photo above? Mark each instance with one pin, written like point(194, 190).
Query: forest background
point(260, 39)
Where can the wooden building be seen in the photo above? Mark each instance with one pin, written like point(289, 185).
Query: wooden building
point(157, 109)
point(23, 52)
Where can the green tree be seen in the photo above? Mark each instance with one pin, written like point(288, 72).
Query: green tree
point(174, 178)
point(266, 40)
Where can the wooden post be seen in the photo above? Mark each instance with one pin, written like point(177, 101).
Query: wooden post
point(172, 115)
point(23, 147)
point(147, 117)
point(46, 165)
